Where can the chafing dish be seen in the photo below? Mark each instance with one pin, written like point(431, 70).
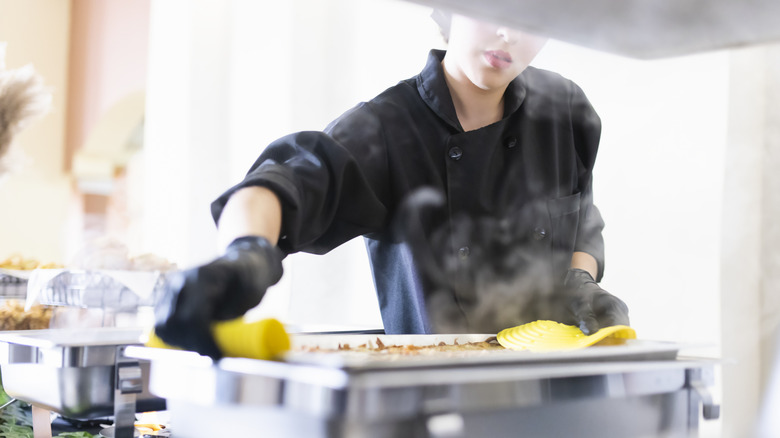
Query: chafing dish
point(103, 289)
point(13, 284)
point(78, 373)
point(638, 389)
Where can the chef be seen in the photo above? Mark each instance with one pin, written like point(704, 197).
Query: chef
point(470, 182)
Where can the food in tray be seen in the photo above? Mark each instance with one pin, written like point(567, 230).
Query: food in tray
point(148, 427)
point(537, 336)
point(151, 262)
point(141, 430)
point(107, 253)
point(14, 317)
point(20, 263)
point(379, 348)
point(553, 336)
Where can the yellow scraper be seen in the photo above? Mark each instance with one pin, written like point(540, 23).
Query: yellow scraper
point(264, 339)
point(550, 336)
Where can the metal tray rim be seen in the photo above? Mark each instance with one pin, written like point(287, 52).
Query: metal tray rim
point(76, 337)
point(633, 349)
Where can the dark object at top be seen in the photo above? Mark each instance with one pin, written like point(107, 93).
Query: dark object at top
point(644, 29)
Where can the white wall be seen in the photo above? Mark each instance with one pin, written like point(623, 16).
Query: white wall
point(658, 182)
point(226, 78)
point(751, 236)
point(34, 199)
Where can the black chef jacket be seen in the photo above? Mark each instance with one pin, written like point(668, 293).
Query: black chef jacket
point(350, 180)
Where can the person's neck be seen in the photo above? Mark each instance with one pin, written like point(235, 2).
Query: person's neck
point(474, 106)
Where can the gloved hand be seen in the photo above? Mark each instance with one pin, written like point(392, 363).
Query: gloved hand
point(221, 290)
point(591, 307)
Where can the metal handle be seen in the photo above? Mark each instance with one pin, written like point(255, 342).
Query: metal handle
point(6, 404)
point(127, 383)
point(710, 409)
point(697, 380)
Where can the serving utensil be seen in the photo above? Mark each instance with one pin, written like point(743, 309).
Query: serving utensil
point(552, 336)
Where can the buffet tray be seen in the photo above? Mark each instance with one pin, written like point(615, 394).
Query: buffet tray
point(73, 371)
point(338, 351)
point(350, 369)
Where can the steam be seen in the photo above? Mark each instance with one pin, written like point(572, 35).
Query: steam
point(496, 281)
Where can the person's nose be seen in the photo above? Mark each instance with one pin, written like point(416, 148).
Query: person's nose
point(511, 36)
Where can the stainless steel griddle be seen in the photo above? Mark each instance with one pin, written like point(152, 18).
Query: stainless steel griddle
point(639, 389)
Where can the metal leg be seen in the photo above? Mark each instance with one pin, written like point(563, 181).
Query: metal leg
point(41, 419)
point(710, 409)
point(697, 380)
point(128, 383)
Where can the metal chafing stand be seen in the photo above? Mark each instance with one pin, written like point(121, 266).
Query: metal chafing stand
point(79, 374)
point(635, 390)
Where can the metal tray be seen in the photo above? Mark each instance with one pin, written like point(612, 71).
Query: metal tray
point(78, 373)
point(628, 350)
point(17, 273)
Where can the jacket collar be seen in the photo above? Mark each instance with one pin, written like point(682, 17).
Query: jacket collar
point(434, 91)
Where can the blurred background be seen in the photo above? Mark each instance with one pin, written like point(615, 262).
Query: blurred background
point(159, 106)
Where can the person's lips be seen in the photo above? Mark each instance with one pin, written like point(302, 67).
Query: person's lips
point(498, 58)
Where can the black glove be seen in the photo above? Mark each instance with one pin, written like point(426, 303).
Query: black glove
point(221, 290)
point(591, 307)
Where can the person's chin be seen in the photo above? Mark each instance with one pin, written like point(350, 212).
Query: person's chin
point(494, 81)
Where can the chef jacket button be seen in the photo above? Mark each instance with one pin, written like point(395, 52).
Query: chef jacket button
point(463, 252)
point(510, 142)
point(539, 233)
point(456, 153)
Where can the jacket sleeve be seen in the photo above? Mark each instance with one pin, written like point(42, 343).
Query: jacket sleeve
point(586, 126)
point(332, 184)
